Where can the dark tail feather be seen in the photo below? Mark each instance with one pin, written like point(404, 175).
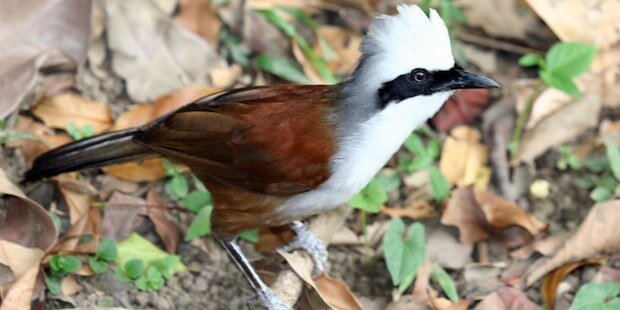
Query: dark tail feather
point(110, 148)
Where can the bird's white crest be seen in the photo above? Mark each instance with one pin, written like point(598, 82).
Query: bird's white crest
point(397, 44)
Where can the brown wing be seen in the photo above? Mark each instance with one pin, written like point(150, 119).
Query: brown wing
point(275, 140)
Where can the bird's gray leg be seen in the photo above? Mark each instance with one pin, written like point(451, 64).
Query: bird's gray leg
point(265, 295)
point(308, 241)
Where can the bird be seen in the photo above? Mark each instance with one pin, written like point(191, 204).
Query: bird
point(275, 155)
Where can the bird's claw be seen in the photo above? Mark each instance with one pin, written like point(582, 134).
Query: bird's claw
point(308, 241)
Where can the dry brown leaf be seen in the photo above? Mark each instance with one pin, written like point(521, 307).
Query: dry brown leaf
point(546, 247)
point(69, 286)
point(444, 249)
point(198, 16)
point(110, 184)
point(148, 170)
point(19, 296)
point(597, 234)
point(35, 35)
point(158, 55)
point(88, 225)
point(61, 110)
point(506, 298)
point(334, 293)
point(77, 200)
point(422, 291)
point(121, 216)
point(344, 43)
point(225, 77)
point(463, 158)
point(418, 209)
point(306, 65)
point(165, 228)
point(562, 126)
point(32, 149)
point(552, 280)
point(500, 18)
point(270, 238)
point(573, 20)
point(479, 215)
point(461, 108)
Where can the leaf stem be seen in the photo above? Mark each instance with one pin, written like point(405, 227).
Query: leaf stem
point(513, 146)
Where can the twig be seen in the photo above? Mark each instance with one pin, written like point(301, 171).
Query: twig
point(495, 44)
point(523, 117)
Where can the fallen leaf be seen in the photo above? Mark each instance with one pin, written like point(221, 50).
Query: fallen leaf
point(572, 20)
point(62, 110)
point(480, 215)
point(506, 298)
point(418, 209)
point(563, 126)
point(78, 201)
point(444, 249)
point(597, 234)
point(69, 286)
point(148, 170)
point(165, 228)
point(87, 226)
point(224, 78)
point(335, 293)
point(484, 59)
point(110, 184)
point(463, 158)
point(137, 247)
point(553, 279)
point(547, 246)
point(306, 65)
point(461, 108)
point(32, 149)
point(506, 19)
point(19, 296)
point(344, 43)
point(198, 16)
point(35, 35)
point(158, 55)
point(121, 216)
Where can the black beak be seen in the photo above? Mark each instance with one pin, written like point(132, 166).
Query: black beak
point(461, 79)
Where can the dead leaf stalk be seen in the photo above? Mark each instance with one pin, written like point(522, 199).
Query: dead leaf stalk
point(513, 146)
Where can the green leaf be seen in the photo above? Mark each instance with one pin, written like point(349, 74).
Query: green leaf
point(137, 247)
point(279, 22)
point(201, 225)
point(55, 263)
point(155, 279)
point(170, 168)
point(446, 283)
point(250, 235)
point(414, 144)
point(613, 153)
point(597, 296)
point(300, 15)
point(451, 13)
point(198, 184)
point(106, 250)
point(2, 124)
point(370, 198)
point(404, 253)
point(570, 59)
point(166, 265)
point(121, 275)
point(600, 194)
point(562, 83)
point(142, 283)
point(177, 187)
point(70, 264)
point(53, 285)
point(133, 268)
point(388, 179)
point(282, 67)
point(426, 5)
point(98, 266)
point(439, 185)
point(531, 59)
point(195, 201)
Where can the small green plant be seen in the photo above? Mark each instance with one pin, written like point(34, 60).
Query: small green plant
point(568, 159)
point(562, 63)
point(106, 253)
point(79, 133)
point(445, 282)
point(61, 266)
point(232, 48)
point(404, 251)
point(149, 277)
point(177, 185)
point(7, 136)
point(601, 296)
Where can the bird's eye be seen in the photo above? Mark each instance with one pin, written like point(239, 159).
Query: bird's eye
point(419, 76)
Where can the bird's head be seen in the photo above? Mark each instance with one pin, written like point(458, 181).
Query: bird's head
point(409, 55)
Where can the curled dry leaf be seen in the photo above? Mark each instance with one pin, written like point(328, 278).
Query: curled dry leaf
point(463, 158)
point(69, 286)
point(48, 139)
point(564, 125)
point(35, 35)
point(597, 234)
point(552, 280)
point(418, 209)
point(151, 169)
point(199, 17)
point(334, 293)
point(26, 234)
point(480, 215)
point(62, 110)
point(77, 195)
point(158, 55)
point(165, 228)
point(461, 107)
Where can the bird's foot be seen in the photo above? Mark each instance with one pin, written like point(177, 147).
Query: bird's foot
point(266, 298)
point(308, 241)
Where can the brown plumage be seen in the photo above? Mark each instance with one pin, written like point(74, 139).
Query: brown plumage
point(250, 147)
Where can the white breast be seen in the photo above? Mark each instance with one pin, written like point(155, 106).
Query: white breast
point(363, 154)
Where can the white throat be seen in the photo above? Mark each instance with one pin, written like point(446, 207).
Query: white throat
point(364, 153)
